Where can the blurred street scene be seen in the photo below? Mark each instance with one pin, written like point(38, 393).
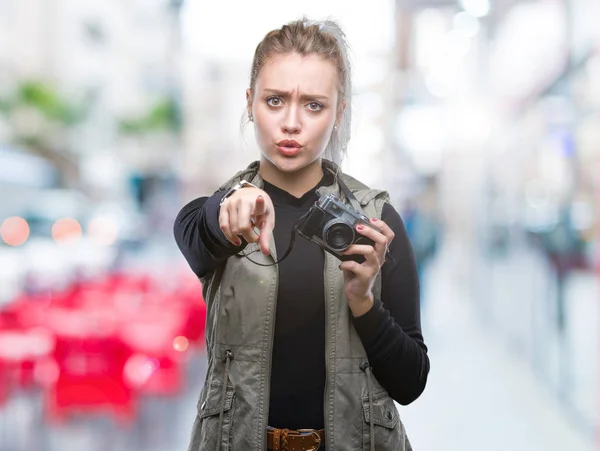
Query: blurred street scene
point(481, 118)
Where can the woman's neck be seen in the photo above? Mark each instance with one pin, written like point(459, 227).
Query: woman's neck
point(296, 183)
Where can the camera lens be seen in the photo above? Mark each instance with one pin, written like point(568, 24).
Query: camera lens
point(338, 235)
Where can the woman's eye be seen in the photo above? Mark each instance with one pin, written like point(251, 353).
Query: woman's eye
point(315, 106)
point(274, 101)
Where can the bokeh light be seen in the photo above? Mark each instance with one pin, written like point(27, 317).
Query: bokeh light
point(14, 231)
point(66, 230)
point(180, 343)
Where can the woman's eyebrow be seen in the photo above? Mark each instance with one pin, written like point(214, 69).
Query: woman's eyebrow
point(302, 97)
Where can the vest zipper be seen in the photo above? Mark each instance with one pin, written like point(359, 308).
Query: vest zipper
point(227, 360)
point(269, 356)
point(367, 369)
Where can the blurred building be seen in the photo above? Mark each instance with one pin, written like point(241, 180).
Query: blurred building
point(117, 61)
point(505, 118)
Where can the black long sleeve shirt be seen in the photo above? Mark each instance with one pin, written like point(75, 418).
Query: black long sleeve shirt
point(390, 331)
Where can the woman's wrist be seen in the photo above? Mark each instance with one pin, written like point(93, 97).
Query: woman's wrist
point(360, 306)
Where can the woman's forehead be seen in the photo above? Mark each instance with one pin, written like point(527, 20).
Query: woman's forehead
point(309, 74)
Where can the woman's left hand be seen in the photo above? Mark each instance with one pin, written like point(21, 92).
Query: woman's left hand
point(359, 277)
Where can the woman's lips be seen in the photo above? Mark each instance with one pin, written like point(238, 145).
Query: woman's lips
point(289, 147)
point(289, 151)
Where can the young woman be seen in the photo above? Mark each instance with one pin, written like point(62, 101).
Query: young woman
point(309, 353)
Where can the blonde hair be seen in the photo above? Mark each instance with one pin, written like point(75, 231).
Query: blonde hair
point(323, 38)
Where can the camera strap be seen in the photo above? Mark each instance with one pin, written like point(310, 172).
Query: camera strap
point(353, 201)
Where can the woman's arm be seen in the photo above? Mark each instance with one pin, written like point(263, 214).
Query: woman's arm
point(391, 329)
point(199, 237)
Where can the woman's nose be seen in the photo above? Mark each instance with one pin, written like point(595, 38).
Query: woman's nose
point(291, 122)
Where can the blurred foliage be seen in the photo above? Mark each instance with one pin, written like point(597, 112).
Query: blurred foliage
point(40, 118)
point(163, 116)
point(46, 100)
point(49, 103)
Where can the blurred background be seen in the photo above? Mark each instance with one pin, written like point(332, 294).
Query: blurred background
point(481, 117)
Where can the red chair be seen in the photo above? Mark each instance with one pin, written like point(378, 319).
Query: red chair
point(164, 376)
point(113, 338)
point(195, 323)
point(3, 373)
point(90, 361)
point(20, 351)
point(157, 365)
point(189, 294)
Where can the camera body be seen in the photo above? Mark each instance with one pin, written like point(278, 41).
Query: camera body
point(332, 225)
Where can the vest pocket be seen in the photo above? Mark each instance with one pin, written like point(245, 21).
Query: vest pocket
point(386, 420)
point(209, 427)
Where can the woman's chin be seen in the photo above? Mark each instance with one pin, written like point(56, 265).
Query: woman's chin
point(289, 164)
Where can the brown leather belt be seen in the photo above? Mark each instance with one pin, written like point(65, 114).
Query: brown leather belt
point(294, 440)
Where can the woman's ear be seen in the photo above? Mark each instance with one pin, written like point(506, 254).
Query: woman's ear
point(249, 102)
point(340, 113)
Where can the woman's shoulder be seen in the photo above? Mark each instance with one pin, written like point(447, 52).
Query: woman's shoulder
point(362, 191)
point(245, 174)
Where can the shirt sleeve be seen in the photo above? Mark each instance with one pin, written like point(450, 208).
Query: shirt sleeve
point(199, 237)
point(391, 330)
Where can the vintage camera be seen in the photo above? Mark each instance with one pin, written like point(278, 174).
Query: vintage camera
point(332, 224)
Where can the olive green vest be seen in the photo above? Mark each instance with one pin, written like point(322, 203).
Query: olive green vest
point(241, 299)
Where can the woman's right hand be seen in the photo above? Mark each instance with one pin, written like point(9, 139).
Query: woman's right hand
point(244, 210)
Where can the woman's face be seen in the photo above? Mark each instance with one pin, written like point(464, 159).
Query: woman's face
point(294, 105)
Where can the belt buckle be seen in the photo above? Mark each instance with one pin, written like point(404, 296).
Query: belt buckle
point(314, 433)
